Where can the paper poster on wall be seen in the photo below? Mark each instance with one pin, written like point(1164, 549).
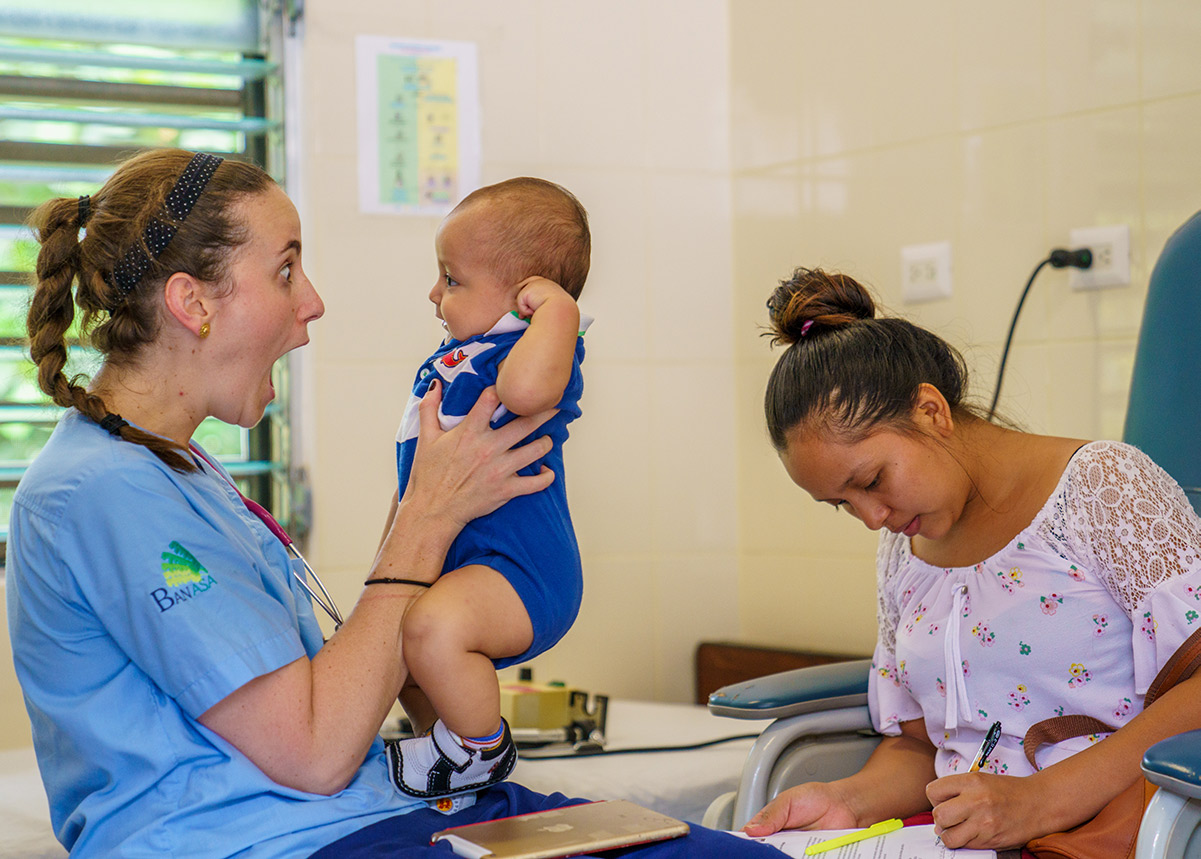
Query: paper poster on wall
point(419, 138)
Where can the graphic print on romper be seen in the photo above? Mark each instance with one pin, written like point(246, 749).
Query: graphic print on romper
point(185, 576)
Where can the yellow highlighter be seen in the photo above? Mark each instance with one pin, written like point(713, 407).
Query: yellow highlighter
point(882, 828)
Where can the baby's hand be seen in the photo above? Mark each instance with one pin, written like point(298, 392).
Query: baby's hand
point(536, 291)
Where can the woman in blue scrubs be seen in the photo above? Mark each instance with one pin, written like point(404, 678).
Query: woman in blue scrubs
point(181, 697)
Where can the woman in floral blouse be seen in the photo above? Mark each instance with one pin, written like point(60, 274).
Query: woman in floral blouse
point(1020, 577)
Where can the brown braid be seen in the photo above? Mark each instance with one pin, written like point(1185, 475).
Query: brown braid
point(117, 217)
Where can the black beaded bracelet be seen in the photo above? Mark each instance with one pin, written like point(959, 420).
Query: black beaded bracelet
point(386, 581)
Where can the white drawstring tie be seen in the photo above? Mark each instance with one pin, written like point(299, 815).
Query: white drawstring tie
point(953, 657)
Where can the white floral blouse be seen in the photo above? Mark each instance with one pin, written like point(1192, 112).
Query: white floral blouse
point(1075, 616)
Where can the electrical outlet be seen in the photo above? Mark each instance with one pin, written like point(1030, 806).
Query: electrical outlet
point(926, 272)
point(1111, 256)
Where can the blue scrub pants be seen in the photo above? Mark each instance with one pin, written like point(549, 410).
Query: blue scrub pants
point(407, 836)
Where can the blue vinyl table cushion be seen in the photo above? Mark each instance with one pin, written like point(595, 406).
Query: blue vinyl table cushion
point(791, 693)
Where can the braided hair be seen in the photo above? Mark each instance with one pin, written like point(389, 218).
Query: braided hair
point(74, 273)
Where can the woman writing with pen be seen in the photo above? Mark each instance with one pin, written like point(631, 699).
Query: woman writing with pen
point(1020, 578)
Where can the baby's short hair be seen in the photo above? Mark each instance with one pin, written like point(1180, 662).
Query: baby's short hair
point(537, 228)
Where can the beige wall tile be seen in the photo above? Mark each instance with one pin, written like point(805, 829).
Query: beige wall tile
point(1092, 49)
point(697, 598)
point(1171, 64)
point(685, 73)
point(1002, 235)
point(691, 440)
point(1094, 404)
point(609, 461)
point(687, 277)
point(767, 98)
point(1000, 62)
point(912, 46)
point(591, 97)
point(779, 608)
point(837, 98)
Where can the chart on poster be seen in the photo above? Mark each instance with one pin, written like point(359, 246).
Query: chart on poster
point(418, 124)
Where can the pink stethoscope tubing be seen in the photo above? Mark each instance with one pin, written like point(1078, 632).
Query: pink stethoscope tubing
point(323, 598)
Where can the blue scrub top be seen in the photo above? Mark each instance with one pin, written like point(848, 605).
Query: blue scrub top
point(138, 598)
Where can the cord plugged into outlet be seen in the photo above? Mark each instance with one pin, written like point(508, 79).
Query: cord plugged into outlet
point(1079, 258)
point(1110, 248)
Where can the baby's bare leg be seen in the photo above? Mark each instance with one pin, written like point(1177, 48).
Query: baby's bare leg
point(417, 707)
point(451, 635)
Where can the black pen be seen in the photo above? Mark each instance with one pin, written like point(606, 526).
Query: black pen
point(990, 743)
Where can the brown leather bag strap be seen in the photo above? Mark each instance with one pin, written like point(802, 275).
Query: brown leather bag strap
point(1180, 666)
point(1059, 728)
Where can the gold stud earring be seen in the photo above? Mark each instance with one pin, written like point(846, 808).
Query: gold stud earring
point(204, 330)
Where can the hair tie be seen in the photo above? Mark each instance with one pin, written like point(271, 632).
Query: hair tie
point(128, 273)
point(805, 328)
point(85, 209)
point(112, 423)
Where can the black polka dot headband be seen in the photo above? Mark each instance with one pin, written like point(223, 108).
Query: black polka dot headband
point(128, 273)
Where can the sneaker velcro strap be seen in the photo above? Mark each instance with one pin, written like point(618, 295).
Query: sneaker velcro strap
point(448, 745)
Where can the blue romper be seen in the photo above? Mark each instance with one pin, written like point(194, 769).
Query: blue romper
point(530, 540)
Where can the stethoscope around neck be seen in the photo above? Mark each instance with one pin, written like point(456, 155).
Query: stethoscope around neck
point(323, 598)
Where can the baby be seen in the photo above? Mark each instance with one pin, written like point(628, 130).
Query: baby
point(512, 259)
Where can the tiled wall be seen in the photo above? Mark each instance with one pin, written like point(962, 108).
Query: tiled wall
point(861, 127)
point(625, 103)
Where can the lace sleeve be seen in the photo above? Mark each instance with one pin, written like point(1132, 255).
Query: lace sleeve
point(1128, 515)
point(888, 610)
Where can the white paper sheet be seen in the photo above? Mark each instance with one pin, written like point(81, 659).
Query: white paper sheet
point(909, 842)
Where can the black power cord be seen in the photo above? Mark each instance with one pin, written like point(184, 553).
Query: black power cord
point(1059, 258)
point(642, 750)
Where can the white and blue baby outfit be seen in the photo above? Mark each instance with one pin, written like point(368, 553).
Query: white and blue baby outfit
point(530, 540)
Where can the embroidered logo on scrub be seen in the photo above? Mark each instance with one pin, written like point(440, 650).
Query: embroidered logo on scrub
point(180, 565)
point(185, 576)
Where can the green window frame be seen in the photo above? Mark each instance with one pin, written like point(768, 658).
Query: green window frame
point(79, 95)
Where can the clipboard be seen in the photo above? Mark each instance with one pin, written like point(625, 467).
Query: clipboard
point(567, 831)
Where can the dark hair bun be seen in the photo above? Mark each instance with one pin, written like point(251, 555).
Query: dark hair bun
point(812, 301)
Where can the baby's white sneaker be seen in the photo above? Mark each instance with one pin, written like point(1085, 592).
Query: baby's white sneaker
point(438, 764)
